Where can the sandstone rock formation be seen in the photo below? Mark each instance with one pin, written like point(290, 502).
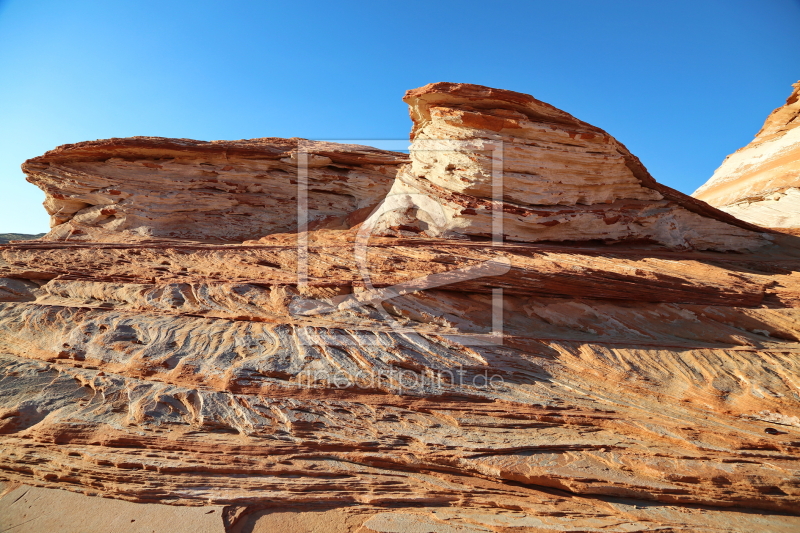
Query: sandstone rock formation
point(645, 378)
point(219, 191)
point(760, 183)
point(562, 179)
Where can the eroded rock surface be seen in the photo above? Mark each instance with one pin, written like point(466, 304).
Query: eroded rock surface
point(638, 384)
point(760, 183)
point(219, 191)
point(562, 179)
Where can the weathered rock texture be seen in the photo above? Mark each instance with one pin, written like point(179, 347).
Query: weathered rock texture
point(760, 183)
point(631, 390)
point(562, 179)
point(150, 187)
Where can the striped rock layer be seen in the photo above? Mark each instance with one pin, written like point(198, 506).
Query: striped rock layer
point(622, 380)
point(552, 176)
point(760, 183)
point(219, 191)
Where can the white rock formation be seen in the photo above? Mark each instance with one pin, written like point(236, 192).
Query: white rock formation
point(760, 183)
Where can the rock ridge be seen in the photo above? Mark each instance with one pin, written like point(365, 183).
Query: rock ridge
point(760, 183)
point(562, 179)
point(215, 191)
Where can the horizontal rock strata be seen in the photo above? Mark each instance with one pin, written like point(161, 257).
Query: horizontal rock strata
point(219, 191)
point(760, 183)
point(562, 179)
point(622, 380)
point(208, 380)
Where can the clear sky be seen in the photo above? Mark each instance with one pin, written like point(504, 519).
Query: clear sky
point(681, 83)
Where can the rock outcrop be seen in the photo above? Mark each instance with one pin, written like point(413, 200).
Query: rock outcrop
point(760, 183)
point(219, 191)
point(627, 378)
point(8, 237)
point(562, 179)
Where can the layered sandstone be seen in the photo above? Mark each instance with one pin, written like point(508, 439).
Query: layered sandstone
point(219, 191)
point(624, 380)
point(760, 183)
point(561, 180)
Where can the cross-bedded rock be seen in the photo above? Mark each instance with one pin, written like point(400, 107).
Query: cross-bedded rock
point(219, 191)
point(760, 183)
point(553, 176)
point(641, 360)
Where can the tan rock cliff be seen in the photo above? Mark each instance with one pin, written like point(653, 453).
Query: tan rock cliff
point(760, 183)
point(562, 179)
point(219, 191)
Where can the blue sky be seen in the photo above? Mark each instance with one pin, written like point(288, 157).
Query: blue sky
point(681, 83)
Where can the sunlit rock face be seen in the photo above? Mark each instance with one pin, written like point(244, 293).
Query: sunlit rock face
point(760, 183)
point(624, 380)
point(219, 191)
point(561, 180)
